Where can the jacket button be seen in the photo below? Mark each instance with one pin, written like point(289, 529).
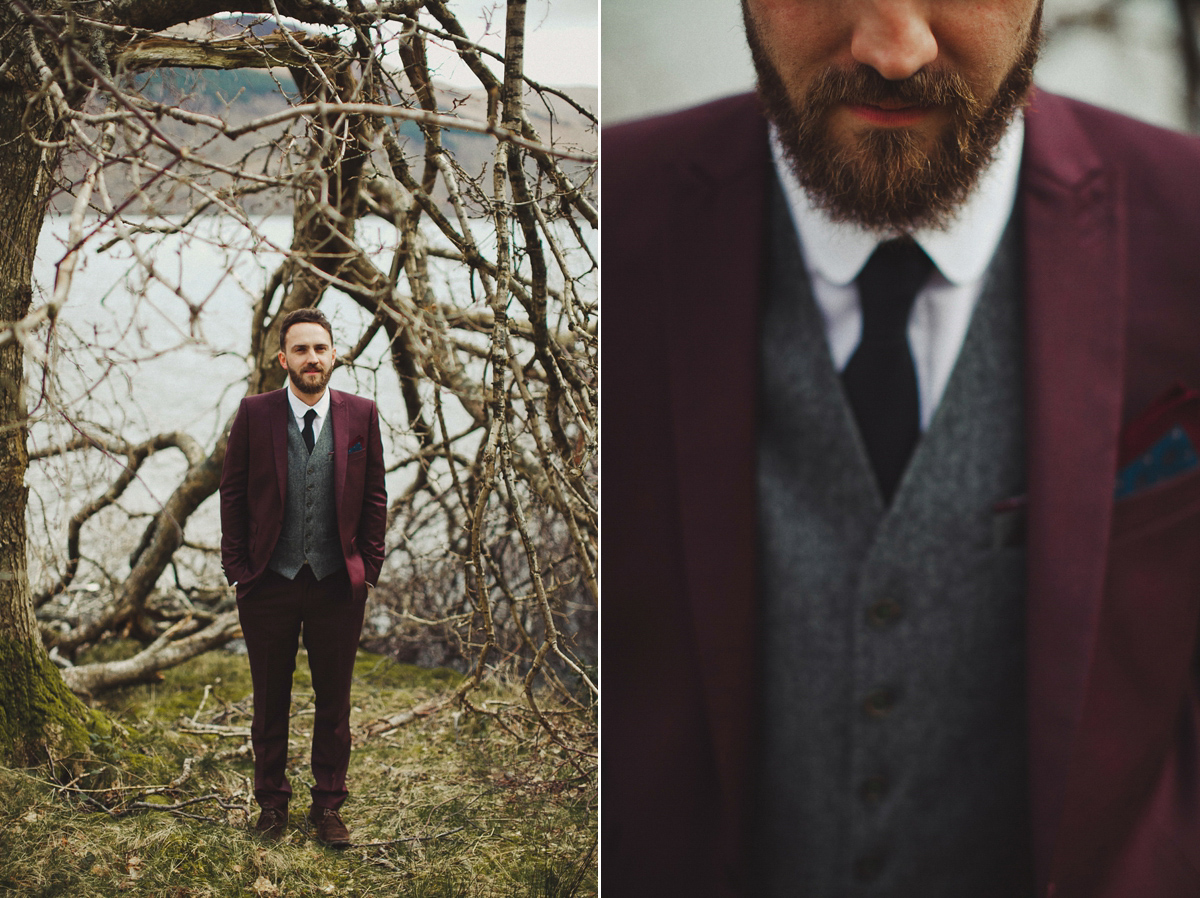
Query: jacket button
point(884, 613)
point(873, 789)
point(880, 702)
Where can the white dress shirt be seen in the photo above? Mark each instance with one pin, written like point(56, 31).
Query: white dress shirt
point(300, 408)
point(835, 252)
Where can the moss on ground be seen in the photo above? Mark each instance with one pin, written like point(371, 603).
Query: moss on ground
point(180, 689)
point(381, 671)
point(445, 805)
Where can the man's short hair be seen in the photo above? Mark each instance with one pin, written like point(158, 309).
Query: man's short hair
point(297, 316)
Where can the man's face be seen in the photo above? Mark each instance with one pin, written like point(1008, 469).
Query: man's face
point(308, 358)
point(889, 109)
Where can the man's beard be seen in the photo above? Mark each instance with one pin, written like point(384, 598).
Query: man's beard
point(312, 386)
point(886, 179)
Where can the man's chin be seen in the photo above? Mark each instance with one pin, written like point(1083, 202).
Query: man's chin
point(882, 178)
point(307, 386)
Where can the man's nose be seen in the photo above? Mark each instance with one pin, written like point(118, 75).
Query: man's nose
point(894, 37)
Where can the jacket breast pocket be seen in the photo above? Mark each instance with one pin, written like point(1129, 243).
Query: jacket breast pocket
point(1149, 620)
point(1169, 504)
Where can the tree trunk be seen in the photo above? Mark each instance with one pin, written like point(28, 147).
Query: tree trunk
point(38, 714)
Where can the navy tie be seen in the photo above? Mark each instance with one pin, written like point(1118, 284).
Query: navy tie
point(880, 380)
point(309, 439)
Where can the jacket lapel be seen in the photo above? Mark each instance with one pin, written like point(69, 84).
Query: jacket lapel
point(716, 253)
point(1076, 297)
point(341, 436)
point(280, 411)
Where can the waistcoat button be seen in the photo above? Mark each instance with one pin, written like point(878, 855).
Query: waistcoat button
point(873, 789)
point(868, 868)
point(884, 613)
point(879, 702)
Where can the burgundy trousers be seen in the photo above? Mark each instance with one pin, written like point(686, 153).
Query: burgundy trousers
point(273, 615)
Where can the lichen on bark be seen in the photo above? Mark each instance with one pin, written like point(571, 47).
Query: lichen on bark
point(41, 720)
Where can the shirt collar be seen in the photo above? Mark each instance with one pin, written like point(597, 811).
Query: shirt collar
point(837, 251)
point(299, 406)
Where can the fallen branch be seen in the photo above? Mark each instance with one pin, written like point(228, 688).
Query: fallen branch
point(229, 53)
point(385, 725)
point(164, 652)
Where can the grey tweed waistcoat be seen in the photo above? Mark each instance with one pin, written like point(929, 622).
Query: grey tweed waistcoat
point(894, 759)
point(310, 531)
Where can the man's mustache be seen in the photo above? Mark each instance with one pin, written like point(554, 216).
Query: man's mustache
point(863, 86)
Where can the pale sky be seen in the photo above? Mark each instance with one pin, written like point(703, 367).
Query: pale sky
point(561, 41)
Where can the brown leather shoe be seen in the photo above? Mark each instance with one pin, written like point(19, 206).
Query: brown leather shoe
point(272, 823)
point(328, 827)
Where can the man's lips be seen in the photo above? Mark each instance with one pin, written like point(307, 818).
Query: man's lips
point(892, 115)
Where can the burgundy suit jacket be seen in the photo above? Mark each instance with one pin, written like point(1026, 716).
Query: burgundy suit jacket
point(1111, 244)
point(254, 487)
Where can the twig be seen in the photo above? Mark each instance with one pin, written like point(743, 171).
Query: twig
point(388, 842)
point(212, 729)
point(153, 806)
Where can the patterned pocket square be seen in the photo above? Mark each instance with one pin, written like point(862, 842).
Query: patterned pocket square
point(1160, 444)
point(357, 447)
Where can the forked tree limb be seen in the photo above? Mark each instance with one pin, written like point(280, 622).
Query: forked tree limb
point(165, 652)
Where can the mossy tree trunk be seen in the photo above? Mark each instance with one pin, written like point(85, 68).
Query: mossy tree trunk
point(39, 716)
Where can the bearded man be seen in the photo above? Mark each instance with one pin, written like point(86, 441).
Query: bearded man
point(303, 514)
point(901, 494)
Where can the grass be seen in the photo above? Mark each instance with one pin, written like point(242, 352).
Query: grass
point(447, 805)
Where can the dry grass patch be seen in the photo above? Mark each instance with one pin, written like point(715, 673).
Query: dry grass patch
point(443, 803)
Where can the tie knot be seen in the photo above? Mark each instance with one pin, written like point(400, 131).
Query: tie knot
point(310, 416)
point(889, 283)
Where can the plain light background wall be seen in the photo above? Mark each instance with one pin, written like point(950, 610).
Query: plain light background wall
point(659, 55)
